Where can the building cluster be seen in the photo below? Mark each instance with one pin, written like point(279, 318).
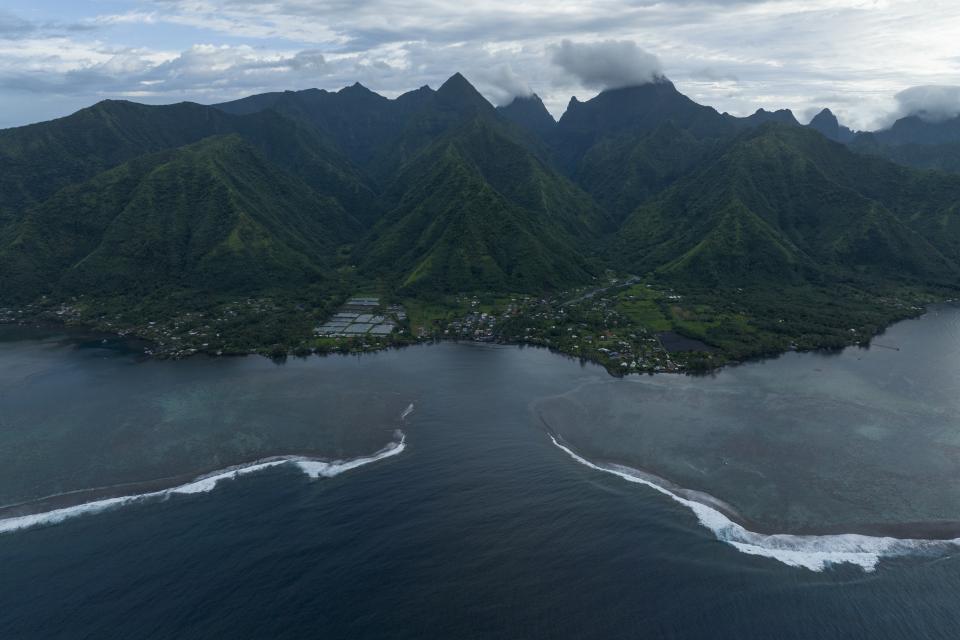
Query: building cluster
point(475, 325)
point(9, 316)
point(589, 326)
point(362, 316)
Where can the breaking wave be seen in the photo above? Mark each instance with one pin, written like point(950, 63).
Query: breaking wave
point(814, 552)
point(312, 467)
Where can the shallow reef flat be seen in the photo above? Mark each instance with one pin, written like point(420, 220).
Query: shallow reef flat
point(864, 441)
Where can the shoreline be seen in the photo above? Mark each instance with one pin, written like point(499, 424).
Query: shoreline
point(130, 337)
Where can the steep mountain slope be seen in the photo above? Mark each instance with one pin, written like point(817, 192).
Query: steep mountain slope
point(476, 210)
point(783, 204)
point(632, 111)
point(215, 215)
point(436, 113)
point(625, 145)
point(827, 124)
point(37, 160)
point(915, 142)
point(762, 116)
point(357, 119)
point(915, 129)
point(942, 157)
point(473, 202)
point(305, 153)
point(438, 192)
point(529, 113)
point(621, 172)
point(376, 133)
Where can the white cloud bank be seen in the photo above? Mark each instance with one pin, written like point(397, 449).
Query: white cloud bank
point(934, 103)
point(608, 64)
point(502, 84)
point(853, 56)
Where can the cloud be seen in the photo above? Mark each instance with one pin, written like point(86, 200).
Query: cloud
point(934, 103)
point(608, 64)
point(708, 74)
point(502, 84)
point(311, 61)
point(208, 73)
point(810, 113)
point(736, 55)
point(12, 26)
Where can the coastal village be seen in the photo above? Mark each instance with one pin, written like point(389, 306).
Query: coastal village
point(581, 323)
point(590, 327)
point(622, 323)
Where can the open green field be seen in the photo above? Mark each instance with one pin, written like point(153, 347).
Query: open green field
point(432, 315)
point(644, 306)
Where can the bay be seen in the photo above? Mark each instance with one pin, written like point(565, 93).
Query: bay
point(482, 526)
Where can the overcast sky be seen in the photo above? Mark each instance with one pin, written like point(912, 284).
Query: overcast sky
point(859, 57)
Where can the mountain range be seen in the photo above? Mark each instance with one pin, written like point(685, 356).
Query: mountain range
point(437, 191)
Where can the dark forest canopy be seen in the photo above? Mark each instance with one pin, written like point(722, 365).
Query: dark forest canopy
point(437, 192)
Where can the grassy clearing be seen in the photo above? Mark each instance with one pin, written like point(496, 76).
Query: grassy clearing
point(644, 307)
point(432, 315)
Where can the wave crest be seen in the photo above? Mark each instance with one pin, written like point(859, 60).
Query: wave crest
point(204, 484)
point(814, 552)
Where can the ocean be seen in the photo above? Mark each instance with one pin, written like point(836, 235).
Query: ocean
point(481, 521)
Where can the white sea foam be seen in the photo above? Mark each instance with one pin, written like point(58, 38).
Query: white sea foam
point(207, 483)
point(407, 411)
point(320, 468)
point(204, 484)
point(808, 551)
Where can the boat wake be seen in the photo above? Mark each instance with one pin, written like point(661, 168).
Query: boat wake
point(312, 467)
point(814, 552)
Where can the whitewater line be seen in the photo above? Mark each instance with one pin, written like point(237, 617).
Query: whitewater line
point(808, 551)
point(312, 467)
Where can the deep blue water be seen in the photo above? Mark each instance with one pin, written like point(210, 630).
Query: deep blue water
point(481, 528)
